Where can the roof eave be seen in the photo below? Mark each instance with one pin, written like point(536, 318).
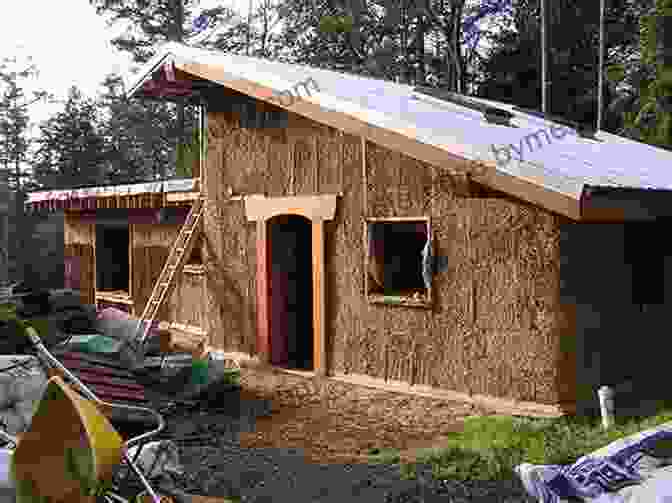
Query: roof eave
point(150, 68)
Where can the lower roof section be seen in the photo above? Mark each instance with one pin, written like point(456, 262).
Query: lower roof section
point(137, 195)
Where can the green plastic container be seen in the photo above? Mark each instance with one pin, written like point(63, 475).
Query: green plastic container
point(94, 343)
point(199, 371)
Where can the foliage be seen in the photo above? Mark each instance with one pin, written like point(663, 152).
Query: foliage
point(15, 144)
point(188, 155)
point(646, 101)
point(490, 447)
point(71, 150)
point(150, 23)
point(139, 135)
point(511, 70)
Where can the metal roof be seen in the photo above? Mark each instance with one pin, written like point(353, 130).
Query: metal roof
point(554, 165)
point(176, 185)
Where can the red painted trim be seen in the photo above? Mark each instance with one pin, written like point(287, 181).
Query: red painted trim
point(263, 319)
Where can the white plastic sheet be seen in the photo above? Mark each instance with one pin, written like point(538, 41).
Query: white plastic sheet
point(22, 383)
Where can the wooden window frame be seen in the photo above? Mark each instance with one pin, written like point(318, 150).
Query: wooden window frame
point(106, 296)
point(424, 302)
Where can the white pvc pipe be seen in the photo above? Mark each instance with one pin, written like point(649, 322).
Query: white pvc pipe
point(606, 397)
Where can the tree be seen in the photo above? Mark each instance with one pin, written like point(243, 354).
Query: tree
point(71, 151)
point(139, 135)
point(510, 71)
point(645, 82)
point(152, 22)
point(14, 146)
point(422, 42)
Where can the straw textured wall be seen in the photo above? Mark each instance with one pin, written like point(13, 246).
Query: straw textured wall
point(496, 321)
point(150, 246)
point(236, 159)
point(78, 240)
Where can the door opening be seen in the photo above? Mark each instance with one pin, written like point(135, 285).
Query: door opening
point(112, 263)
point(291, 292)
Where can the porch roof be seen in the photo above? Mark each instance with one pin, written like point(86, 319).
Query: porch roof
point(136, 195)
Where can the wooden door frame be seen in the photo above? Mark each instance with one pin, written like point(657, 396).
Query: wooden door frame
point(317, 209)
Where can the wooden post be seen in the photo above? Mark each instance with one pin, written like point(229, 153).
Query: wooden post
point(130, 266)
point(263, 328)
point(319, 310)
point(365, 184)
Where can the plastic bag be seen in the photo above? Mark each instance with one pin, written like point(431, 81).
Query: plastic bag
point(157, 458)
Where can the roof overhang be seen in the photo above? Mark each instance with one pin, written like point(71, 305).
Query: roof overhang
point(131, 196)
point(180, 73)
point(356, 121)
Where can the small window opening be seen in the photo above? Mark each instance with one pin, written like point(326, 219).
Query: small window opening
point(112, 263)
point(196, 257)
point(399, 257)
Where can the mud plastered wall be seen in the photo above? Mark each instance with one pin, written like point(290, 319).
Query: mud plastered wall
point(495, 323)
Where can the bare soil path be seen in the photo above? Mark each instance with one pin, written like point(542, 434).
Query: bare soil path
point(335, 422)
point(314, 445)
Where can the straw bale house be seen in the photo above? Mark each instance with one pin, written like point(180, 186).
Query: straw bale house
point(117, 238)
point(371, 232)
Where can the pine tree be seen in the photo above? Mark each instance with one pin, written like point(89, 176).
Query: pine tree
point(152, 22)
point(14, 146)
point(138, 135)
point(647, 105)
point(71, 151)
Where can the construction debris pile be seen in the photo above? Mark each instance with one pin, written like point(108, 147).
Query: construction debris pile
point(101, 348)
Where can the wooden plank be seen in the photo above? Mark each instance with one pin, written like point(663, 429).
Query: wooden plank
point(365, 183)
point(319, 311)
point(174, 197)
point(312, 207)
point(114, 297)
point(130, 263)
point(499, 405)
point(263, 304)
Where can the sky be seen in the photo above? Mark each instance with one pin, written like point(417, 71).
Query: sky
point(69, 43)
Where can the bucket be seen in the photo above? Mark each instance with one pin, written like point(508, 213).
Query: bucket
point(199, 371)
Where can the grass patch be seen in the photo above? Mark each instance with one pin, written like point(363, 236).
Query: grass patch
point(490, 447)
point(384, 456)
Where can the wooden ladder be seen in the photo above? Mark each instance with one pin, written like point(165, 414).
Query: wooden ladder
point(179, 254)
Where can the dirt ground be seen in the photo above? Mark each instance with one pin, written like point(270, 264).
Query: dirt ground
point(334, 422)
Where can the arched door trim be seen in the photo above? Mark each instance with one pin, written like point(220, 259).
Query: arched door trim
point(317, 209)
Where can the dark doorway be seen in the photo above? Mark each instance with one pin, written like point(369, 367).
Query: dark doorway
point(291, 292)
point(112, 264)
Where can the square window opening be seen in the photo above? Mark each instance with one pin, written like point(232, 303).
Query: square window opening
point(112, 260)
point(399, 255)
